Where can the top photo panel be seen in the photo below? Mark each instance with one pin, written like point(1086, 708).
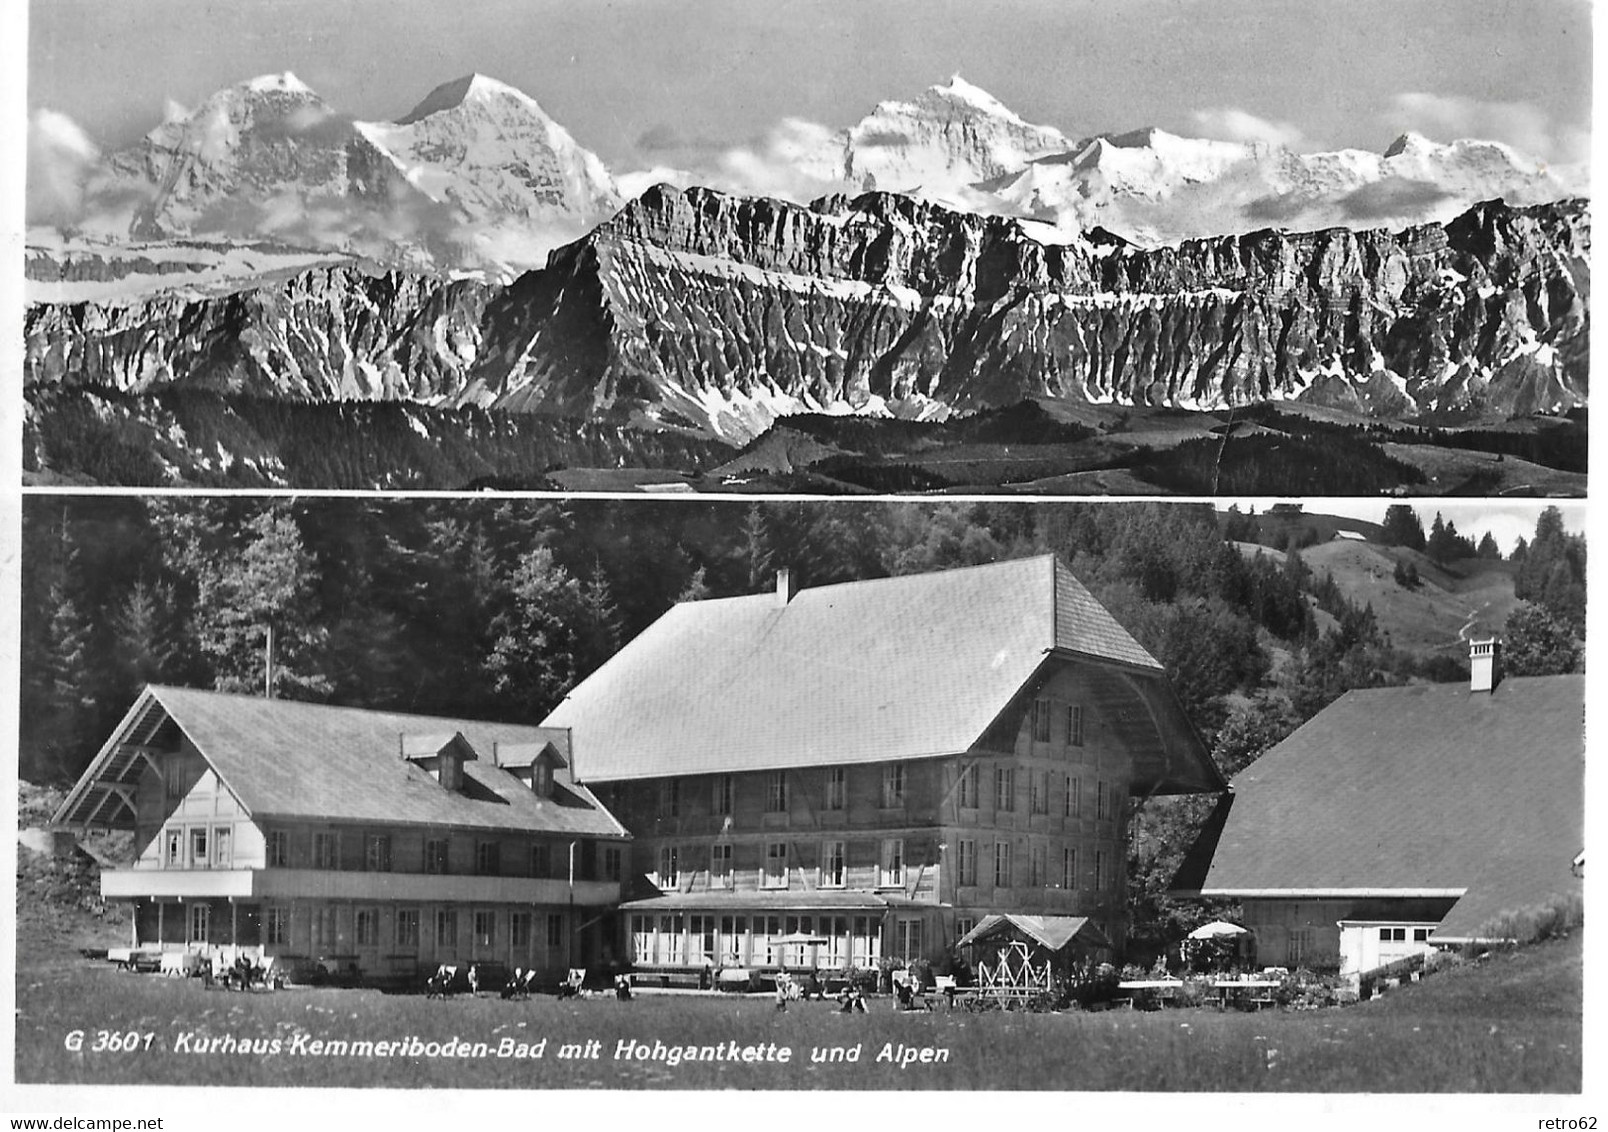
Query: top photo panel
point(1041, 248)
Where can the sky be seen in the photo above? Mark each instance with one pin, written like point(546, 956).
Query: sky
point(646, 83)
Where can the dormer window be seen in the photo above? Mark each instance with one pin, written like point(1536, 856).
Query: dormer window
point(440, 756)
point(534, 764)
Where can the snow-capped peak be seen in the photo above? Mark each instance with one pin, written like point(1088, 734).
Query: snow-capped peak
point(1410, 142)
point(959, 90)
point(470, 88)
point(284, 83)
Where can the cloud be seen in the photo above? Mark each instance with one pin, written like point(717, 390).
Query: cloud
point(634, 184)
point(1523, 125)
point(1392, 198)
point(795, 160)
point(61, 157)
point(1228, 123)
point(660, 137)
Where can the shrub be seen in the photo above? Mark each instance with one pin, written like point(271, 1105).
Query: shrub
point(1550, 919)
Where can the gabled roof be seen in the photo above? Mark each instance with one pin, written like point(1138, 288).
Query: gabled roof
point(285, 759)
point(893, 668)
point(1429, 789)
point(1052, 932)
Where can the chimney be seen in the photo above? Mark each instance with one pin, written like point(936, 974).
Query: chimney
point(785, 589)
point(1482, 664)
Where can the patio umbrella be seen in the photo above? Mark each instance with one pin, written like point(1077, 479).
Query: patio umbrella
point(1217, 929)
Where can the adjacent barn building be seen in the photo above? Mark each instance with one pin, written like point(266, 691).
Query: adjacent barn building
point(876, 766)
point(360, 839)
point(1398, 819)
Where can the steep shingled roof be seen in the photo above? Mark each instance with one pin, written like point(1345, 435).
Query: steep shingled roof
point(282, 758)
point(892, 668)
point(1425, 787)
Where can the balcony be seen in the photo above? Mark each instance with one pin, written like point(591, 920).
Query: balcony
point(318, 884)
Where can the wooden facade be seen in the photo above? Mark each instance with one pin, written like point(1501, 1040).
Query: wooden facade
point(385, 898)
point(894, 859)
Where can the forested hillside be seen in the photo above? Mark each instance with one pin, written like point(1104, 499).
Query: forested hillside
point(494, 608)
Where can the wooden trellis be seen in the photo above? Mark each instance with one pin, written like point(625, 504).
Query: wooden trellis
point(1010, 973)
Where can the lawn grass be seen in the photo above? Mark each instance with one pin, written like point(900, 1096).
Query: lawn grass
point(1509, 1024)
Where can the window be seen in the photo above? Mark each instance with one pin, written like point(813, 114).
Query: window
point(446, 935)
point(776, 793)
point(1041, 721)
point(722, 798)
point(1069, 868)
point(541, 778)
point(1037, 868)
point(832, 864)
point(1300, 946)
point(968, 863)
point(198, 849)
point(837, 788)
point(377, 853)
point(173, 852)
point(1392, 935)
point(541, 860)
point(1102, 802)
point(485, 928)
point(1002, 864)
point(1039, 791)
point(488, 858)
point(1100, 877)
point(324, 929)
point(555, 930)
point(892, 872)
point(277, 928)
point(643, 938)
point(1074, 725)
point(407, 928)
point(893, 785)
point(702, 930)
point(669, 866)
point(720, 866)
point(1421, 935)
point(222, 846)
point(435, 855)
point(964, 924)
point(968, 787)
point(367, 924)
point(909, 939)
point(1005, 788)
point(200, 922)
point(867, 941)
point(775, 865)
point(519, 929)
point(326, 851)
point(670, 798)
point(1074, 797)
point(612, 862)
point(732, 931)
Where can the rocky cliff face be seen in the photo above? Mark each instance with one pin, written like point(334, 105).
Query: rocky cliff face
point(720, 313)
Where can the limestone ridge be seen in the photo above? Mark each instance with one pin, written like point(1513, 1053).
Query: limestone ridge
point(698, 310)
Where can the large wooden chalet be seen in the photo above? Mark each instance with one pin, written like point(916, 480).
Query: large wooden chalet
point(1401, 819)
point(360, 839)
point(844, 773)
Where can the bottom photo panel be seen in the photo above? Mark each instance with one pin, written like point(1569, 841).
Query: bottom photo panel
point(546, 793)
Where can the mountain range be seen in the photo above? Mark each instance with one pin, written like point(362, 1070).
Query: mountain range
point(477, 177)
point(953, 258)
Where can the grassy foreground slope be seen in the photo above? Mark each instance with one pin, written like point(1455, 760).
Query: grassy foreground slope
point(1511, 1024)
